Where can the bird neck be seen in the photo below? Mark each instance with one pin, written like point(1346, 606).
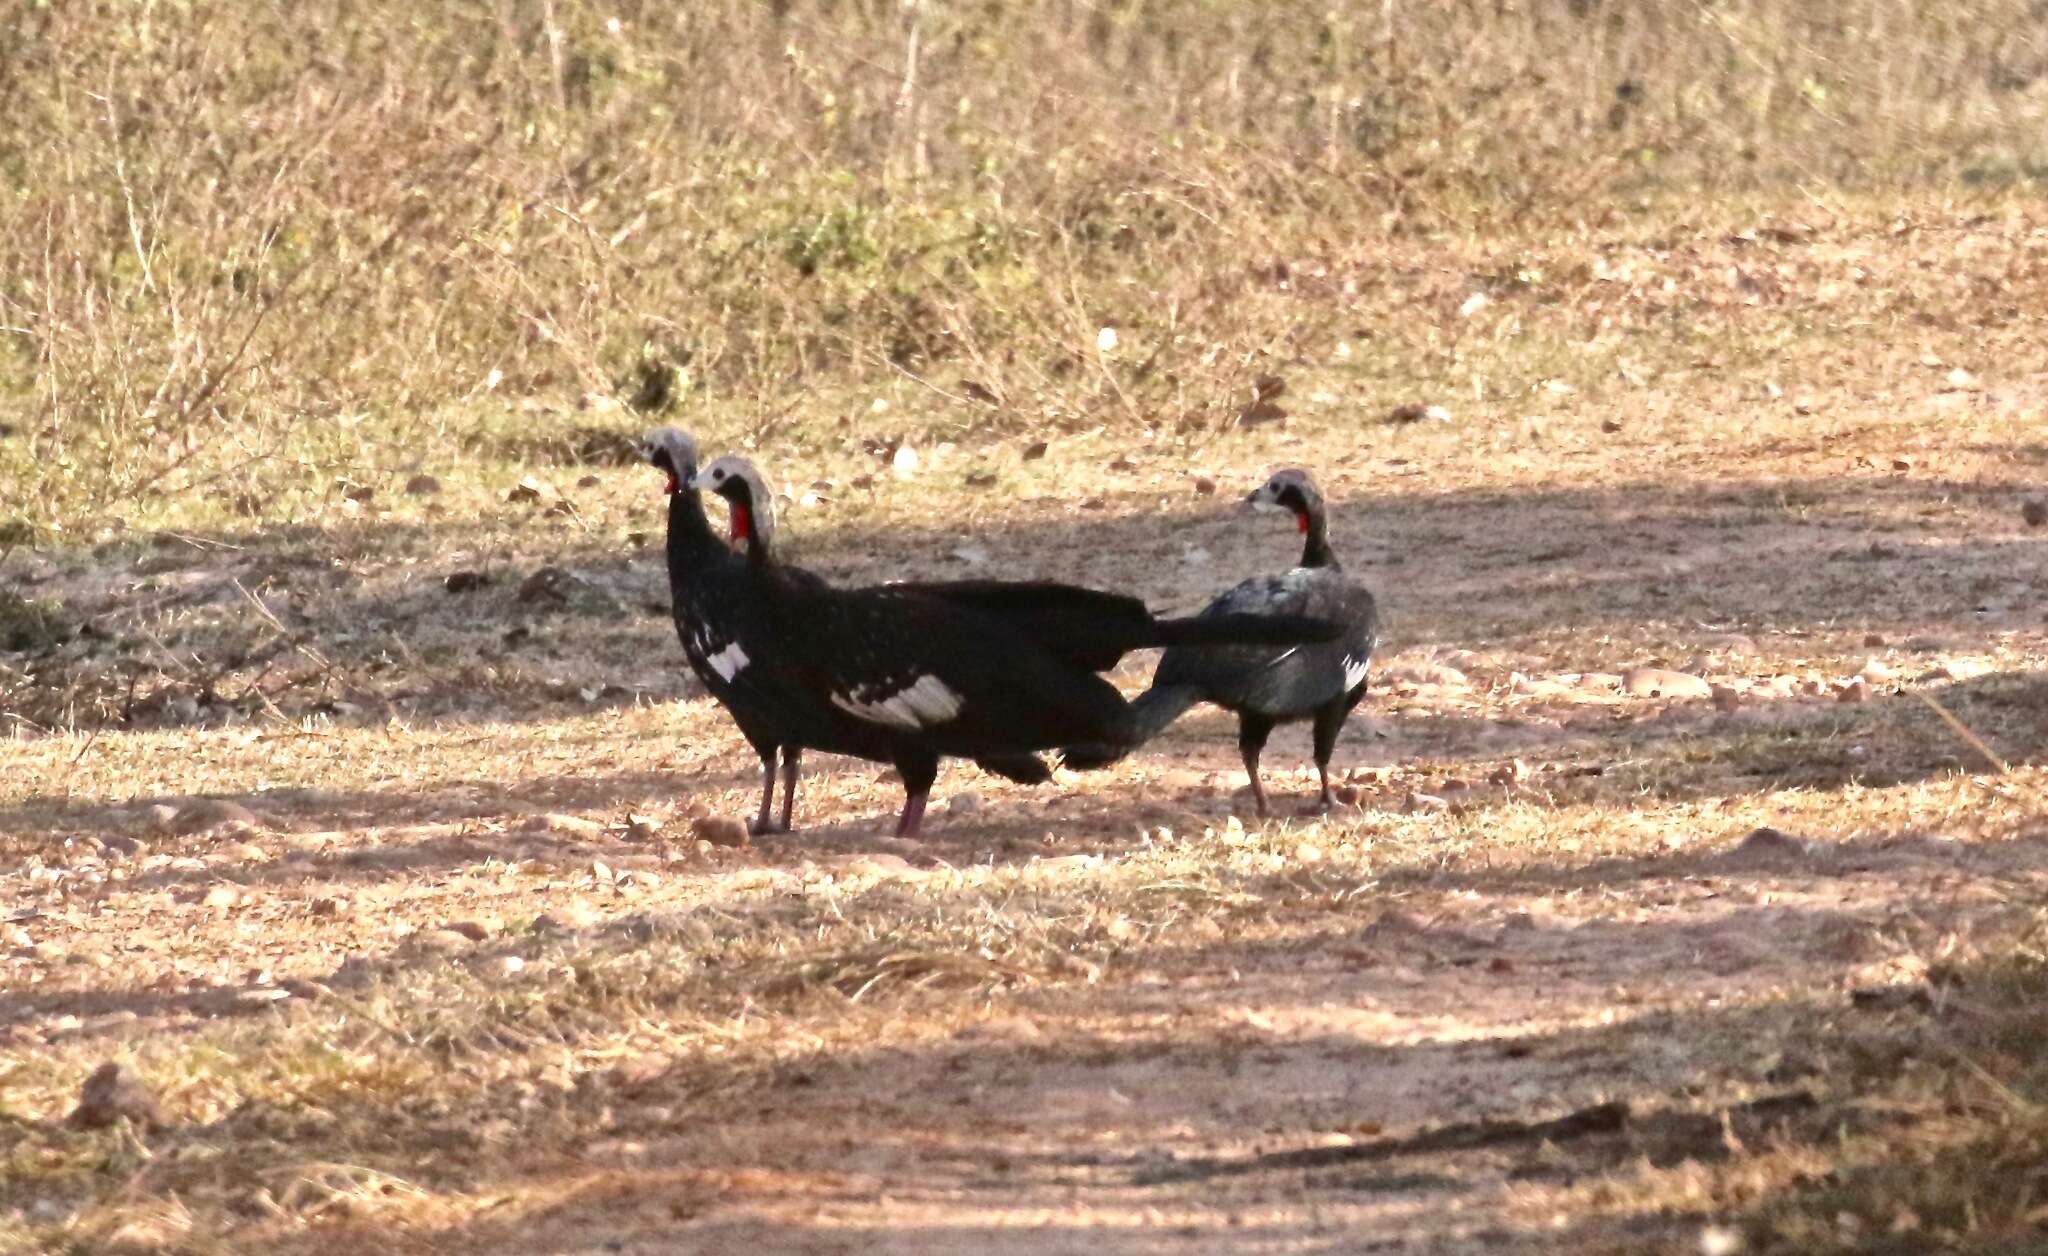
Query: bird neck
point(1315, 544)
point(752, 524)
point(689, 533)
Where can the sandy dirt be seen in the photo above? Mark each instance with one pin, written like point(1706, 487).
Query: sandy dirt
point(461, 978)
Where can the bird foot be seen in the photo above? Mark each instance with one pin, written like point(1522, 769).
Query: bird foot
point(760, 825)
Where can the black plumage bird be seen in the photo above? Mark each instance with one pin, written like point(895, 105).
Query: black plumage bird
point(707, 585)
point(705, 578)
point(1265, 685)
point(984, 670)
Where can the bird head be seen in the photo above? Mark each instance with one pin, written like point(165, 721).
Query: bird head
point(673, 450)
point(1290, 489)
point(740, 484)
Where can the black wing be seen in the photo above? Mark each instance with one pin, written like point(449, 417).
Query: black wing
point(1086, 627)
point(1093, 629)
point(898, 663)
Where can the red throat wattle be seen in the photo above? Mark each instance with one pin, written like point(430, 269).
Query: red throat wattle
point(675, 484)
point(1301, 522)
point(742, 523)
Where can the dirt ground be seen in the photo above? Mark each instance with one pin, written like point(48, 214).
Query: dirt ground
point(1582, 965)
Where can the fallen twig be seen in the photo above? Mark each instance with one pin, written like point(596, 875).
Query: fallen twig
point(1602, 1118)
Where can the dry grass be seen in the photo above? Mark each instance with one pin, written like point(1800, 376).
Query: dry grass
point(259, 252)
point(1753, 392)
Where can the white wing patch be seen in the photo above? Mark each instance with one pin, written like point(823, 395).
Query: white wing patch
point(1354, 672)
point(728, 662)
point(925, 702)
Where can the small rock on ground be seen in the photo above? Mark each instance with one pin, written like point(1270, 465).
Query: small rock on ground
point(502, 967)
point(439, 942)
point(556, 587)
point(203, 815)
point(720, 831)
point(1770, 843)
point(112, 1092)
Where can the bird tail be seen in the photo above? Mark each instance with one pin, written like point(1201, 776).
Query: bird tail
point(1151, 712)
point(1025, 769)
point(1242, 629)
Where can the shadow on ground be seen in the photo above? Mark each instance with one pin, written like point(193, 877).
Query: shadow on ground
point(1543, 572)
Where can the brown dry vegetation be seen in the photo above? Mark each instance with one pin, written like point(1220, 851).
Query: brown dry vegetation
point(1754, 393)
